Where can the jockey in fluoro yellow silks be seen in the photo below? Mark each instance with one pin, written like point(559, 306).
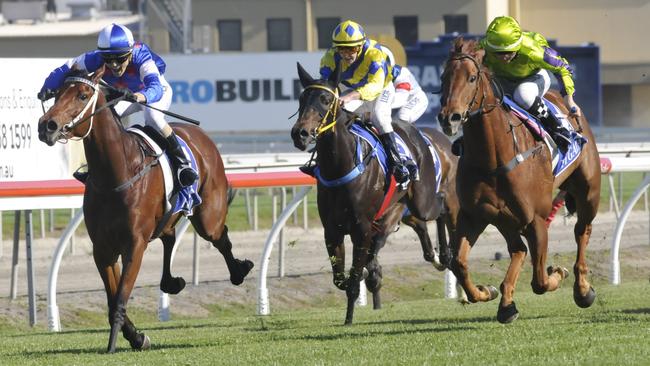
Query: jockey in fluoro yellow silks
point(521, 61)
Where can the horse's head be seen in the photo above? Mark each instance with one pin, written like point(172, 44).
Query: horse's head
point(319, 106)
point(75, 100)
point(461, 85)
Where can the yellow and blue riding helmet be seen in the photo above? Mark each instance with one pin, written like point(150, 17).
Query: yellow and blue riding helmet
point(503, 35)
point(348, 34)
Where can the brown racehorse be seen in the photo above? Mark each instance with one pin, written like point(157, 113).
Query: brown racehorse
point(121, 222)
point(504, 178)
point(349, 208)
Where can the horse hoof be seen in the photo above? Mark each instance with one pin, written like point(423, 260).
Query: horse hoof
point(507, 314)
point(437, 264)
point(584, 301)
point(141, 343)
point(174, 286)
point(493, 293)
point(245, 266)
point(564, 273)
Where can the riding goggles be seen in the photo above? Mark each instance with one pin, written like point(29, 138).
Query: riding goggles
point(110, 58)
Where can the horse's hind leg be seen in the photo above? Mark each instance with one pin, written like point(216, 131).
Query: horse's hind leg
point(507, 310)
point(462, 242)
point(544, 279)
point(583, 294)
point(238, 268)
point(420, 228)
point(375, 274)
point(169, 284)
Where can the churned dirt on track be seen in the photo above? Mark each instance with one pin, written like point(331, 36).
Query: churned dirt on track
point(307, 268)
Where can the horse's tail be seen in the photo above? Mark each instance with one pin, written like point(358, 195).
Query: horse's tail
point(570, 202)
point(231, 194)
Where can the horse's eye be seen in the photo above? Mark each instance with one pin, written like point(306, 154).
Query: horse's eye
point(325, 99)
point(472, 78)
point(83, 96)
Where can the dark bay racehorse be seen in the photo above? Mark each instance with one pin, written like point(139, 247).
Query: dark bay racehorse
point(505, 179)
point(350, 208)
point(121, 222)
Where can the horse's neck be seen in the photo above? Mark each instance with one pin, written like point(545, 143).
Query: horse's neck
point(488, 139)
point(109, 149)
point(336, 152)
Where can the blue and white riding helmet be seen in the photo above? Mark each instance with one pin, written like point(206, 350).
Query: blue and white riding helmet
point(115, 39)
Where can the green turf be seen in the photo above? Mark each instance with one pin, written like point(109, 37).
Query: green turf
point(551, 330)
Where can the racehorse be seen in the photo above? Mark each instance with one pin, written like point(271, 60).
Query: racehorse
point(124, 199)
point(505, 179)
point(351, 208)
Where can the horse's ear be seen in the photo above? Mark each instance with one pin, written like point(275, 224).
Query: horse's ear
point(335, 77)
point(98, 74)
point(305, 78)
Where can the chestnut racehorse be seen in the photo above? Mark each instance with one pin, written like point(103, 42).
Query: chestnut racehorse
point(122, 218)
point(349, 206)
point(505, 179)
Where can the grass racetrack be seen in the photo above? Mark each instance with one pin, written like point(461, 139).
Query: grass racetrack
point(550, 330)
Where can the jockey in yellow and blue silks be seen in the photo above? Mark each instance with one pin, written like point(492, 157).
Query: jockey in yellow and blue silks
point(132, 66)
point(368, 74)
point(522, 61)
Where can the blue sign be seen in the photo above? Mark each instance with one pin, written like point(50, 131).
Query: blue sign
point(426, 61)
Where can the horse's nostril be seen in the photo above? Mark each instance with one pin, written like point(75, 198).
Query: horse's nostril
point(456, 117)
point(304, 133)
point(52, 126)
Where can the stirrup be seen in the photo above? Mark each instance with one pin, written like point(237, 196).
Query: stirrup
point(401, 175)
point(80, 176)
point(186, 176)
point(308, 169)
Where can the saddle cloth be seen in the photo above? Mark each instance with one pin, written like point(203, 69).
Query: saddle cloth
point(560, 159)
point(188, 198)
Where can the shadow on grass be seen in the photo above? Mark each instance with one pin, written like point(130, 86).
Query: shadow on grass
point(365, 333)
point(636, 311)
point(100, 351)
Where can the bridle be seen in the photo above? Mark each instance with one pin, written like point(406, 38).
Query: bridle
point(481, 109)
point(90, 105)
point(331, 111)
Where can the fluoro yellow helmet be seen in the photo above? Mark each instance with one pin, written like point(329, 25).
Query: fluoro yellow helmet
point(503, 35)
point(348, 34)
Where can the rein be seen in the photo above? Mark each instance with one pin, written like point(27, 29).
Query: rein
point(331, 110)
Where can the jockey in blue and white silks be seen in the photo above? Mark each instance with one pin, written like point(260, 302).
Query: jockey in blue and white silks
point(130, 66)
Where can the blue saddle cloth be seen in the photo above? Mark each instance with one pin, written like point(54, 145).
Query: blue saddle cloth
point(372, 140)
point(564, 158)
point(188, 197)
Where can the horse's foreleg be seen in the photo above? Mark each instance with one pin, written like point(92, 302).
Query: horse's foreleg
point(544, 279)
point(507, 310)
point(238, 268)
point(119, 321)
point(336, 255)
point(361, 247)
point(168, 283)
point(583, 294)
point(462, 242)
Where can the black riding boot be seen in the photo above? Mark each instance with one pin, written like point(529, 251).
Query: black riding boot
point(395, 164)
point(560, 134)
point(184, 173)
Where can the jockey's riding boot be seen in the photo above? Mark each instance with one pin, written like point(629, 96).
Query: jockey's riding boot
point(560, 134)
point(395, 164)
point(184, 173)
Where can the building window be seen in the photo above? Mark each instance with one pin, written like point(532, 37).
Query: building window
point(325, 28)
point(278, 34)
point(455, 23)
point(406, 30)
point(229, 35)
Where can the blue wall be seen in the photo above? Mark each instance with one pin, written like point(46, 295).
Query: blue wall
point(426, 61)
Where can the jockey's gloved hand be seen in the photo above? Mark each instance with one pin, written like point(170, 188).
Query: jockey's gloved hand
point(129, 96)
point(45, 94)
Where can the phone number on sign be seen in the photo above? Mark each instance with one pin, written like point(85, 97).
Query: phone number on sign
point(15, 136)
